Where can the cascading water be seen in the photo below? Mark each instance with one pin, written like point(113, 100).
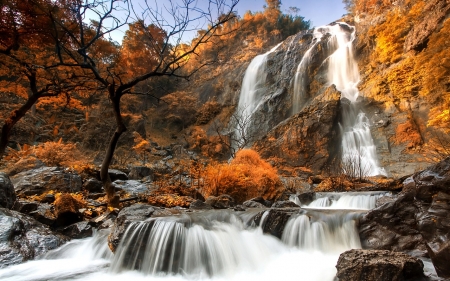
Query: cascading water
point(208, 245)
point(251, 95)
point(358, 150)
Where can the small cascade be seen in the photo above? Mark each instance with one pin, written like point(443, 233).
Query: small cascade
point(346, 200)
point(251, 93)
point(358, 150)
point(334, 233)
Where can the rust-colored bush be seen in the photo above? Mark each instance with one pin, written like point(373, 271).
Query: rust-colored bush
point(408, 133)
point(246, 177)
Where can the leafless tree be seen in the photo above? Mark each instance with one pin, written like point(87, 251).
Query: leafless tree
point(174, 18)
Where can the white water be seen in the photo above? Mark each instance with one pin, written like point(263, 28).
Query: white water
point(358, 150)
point(211, 245)
point(251, 94)
point(346, 200)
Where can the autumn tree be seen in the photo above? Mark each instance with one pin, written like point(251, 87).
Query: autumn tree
point(164, 26)
point(28, 64)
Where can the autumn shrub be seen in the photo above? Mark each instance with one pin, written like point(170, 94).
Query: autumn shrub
point(246, 177)
point(207, 112)
point(57, 153)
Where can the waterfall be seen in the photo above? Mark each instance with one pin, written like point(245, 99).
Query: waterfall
point(252, 92)
point(359, 156)
point(214, 245)
point(346, 200)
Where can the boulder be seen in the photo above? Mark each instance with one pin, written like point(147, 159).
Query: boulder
point(78, 230)
point(44, 214)
point(25, 207)
point(23, 238)
point(306, 198)
point(284, 204)
point(67, 210)
point(220, 202)
point(132, 187)
point(304, 139)
point(136, 212)
point(7, 193)
point(253, 204)
point(41, 180)
point(117, 175)
point(140, 172)
point(274, 221)
point(200, 205)
point(378, 265)
point(93, 185)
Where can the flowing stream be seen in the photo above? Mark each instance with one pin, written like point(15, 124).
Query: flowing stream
point(212, 245)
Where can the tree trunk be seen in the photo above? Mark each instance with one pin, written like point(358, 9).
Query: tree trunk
point(113, 199)
point(13, 118)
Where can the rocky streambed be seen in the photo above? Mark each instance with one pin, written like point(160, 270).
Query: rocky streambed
point(401, 234)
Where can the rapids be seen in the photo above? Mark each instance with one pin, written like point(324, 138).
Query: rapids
point(210, 245)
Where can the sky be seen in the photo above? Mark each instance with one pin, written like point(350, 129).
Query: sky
point(319, 12)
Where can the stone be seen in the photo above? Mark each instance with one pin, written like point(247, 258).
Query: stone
point(25, 207)
point(200, 205)
point(284, 204)
point(378, 265)
point(274, 222)
point(48, 198)
point(44, 214)
point(132, 187)
point(304, 139)
point(7, 193)
point(220, 202)
point(22, 238)
point(117, 175)
point(41, 180)
point(253, 204)
point(306, 198)
point(93, 185)
point(133, 213)
point(140, 172)
point(78, 230)
point(67, 210)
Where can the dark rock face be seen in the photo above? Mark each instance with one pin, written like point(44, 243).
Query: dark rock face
point(38, 181)
point(23, 238)
point(67, 210)
point(44, 214)
point(306, 198)
point(304, 139)
point(274, 221)
point(373, 265)
point(418, 219)
point(7, 193)
point(25, 207)
point(284, 204)
point(221, 202)
point(133, 187)
point(200, 205)
point(117, 175)
point(136, 212)
point(253, 204)
point(93, 185)
point(140, 172)
point(435, 11)
point(78, 230)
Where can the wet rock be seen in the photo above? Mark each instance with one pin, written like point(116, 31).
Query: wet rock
point(117, 175)
point(432, 180)
point(7, 193)
point(140, 172)
point(67, 210)
point(25, 207)
point(284, 204)
point(38, 181)
point(304, 139)
point(78, 230)
point(136, 212)
point(23, 238)
point(392, 226)
point(274, 222)
point(261, 200)
point(44, 214)
point(48, 198)
point(253, 204)
point(220, 202)
point(378, 265)
point(133, 187)
point(306, 198)
point(93, 185)
point(200, 205)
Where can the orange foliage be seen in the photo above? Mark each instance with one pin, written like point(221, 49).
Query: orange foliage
point(246, 177)
point(409, 134)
